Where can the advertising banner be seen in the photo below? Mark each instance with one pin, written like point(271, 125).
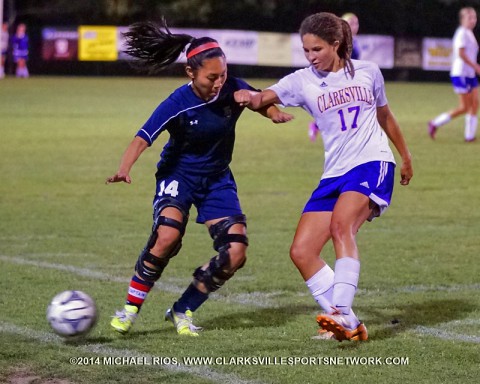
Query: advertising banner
point(408, 53)
point(377, 48)
point(240, 47)
point(274, 49)
point(107, 43)
point(59, 44)
point(97, 43)
point(437, 54)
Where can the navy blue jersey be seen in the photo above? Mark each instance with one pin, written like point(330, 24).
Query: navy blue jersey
point(202, 134)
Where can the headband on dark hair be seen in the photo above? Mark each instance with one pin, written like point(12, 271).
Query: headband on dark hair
point(202, 48)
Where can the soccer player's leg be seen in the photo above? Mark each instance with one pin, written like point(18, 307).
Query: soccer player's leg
point(365, 194)
point(165, 241)
point(230, 241)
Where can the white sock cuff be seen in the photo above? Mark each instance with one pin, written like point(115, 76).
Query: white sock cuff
point(441, 119)
point(470, 126)
point(322, 281)
point(347, 270)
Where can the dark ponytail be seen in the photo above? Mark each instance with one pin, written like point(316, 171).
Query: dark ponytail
point(346, 47)
point(156, 47)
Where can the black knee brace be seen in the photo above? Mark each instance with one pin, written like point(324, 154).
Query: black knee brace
point(162, 220)
point(152, 274)
point(219, 269)
point(147, 272)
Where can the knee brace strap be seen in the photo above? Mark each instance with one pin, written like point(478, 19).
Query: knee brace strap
point(168, 222)
point(148, 273)
point(224, 225)
point(222, 243)
point(221, 237)
point(214, 276)
point(158, 219)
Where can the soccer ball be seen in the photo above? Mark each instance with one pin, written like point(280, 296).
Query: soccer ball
point(72, 313)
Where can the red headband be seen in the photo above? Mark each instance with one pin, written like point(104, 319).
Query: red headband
point(202, 48)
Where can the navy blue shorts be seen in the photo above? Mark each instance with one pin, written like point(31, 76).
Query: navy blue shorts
point(373, 179)
point(214, 196)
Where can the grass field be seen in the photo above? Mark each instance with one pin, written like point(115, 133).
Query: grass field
point(62, 228)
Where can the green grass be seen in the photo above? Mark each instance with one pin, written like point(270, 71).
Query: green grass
point(62, 228)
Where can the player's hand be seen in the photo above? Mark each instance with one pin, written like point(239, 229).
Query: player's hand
point(119, 177)
point(281, 117)
point(242, 97)
point(476, 67)
point(406, 172)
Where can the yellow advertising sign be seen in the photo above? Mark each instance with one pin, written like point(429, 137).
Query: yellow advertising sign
point(97, 43)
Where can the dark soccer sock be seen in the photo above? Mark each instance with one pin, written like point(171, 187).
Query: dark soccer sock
point(191, 299)
point(137, 291)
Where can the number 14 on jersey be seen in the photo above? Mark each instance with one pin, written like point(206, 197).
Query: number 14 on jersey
point(171, 189)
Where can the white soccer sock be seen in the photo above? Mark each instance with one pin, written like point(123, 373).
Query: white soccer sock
point(347, 272)
point(441, 119)
point(321, 287)
point(471, 122)
point(473, 126)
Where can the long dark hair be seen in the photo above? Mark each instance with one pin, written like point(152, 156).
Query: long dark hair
point(156, 47)
point(331, 28)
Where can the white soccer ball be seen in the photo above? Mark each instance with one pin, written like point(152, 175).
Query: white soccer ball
point(72, 313)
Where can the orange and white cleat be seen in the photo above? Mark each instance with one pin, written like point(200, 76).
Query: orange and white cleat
point(340, 327)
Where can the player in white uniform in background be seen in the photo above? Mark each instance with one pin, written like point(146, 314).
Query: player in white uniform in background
point(464, 77)
point(4, 49)
point(347, 100)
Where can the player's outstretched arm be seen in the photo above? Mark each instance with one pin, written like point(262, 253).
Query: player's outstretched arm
point(256, 100)
point(132, 153)
point(390, 125)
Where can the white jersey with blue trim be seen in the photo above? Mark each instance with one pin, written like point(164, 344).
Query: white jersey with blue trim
point(464, 38)
point(345, 111)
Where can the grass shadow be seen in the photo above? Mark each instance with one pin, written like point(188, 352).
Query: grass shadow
point(260, 318)
point(409, 316)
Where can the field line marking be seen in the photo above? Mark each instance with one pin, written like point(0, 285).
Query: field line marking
point(99, 349)
point(446, 335)
point(441, 330)
point(256, 299)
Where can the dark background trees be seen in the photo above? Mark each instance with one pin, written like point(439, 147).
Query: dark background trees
point(399, 18)
point(394, 17)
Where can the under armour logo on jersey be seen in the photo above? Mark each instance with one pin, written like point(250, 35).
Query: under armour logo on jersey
point(194, 122)
point(365, 184)
point(324, 84)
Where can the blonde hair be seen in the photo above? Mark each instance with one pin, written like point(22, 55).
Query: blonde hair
point(347, 16)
